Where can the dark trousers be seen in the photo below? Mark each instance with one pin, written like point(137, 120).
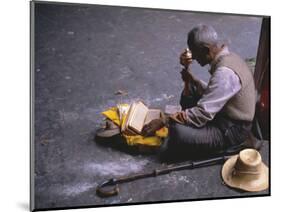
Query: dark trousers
point(216, 136)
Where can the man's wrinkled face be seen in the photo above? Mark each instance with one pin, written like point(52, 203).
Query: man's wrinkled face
point(200, 54)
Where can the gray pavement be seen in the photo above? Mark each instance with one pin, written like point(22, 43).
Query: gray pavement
point(83, 55)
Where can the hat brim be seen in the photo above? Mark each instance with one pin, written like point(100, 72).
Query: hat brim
point(107, 133)
point(259, 184)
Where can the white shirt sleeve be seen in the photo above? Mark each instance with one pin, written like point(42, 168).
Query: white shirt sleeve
point(201, 87)
point(223, 85)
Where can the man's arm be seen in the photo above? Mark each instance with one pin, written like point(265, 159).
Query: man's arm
point(223, 85)
point(188, 77)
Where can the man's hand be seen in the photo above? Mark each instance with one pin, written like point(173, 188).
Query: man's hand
point(150, 128)
point(186, 58)
point(179, 117)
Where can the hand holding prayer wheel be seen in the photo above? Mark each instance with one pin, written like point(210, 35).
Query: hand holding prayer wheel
point(186, 60)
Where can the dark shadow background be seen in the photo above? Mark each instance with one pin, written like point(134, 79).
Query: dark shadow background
point(83, 55)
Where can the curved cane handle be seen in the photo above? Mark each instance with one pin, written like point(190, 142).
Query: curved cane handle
point(102, 192)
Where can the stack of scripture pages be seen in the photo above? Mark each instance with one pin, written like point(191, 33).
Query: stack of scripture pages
point(138, 115)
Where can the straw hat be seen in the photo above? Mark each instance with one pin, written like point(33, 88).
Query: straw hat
point(246, 171)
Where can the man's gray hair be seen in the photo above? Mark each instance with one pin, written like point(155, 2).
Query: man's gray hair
point(202, 35)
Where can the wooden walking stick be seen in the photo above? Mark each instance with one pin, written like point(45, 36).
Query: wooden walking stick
point(111, 187)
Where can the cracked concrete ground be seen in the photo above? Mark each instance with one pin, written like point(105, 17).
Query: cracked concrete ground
point(83, 55)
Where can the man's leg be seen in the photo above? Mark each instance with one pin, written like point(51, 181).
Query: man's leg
point(192, 141)
point(178, 133)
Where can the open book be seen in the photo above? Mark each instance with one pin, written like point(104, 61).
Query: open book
point(138, 115)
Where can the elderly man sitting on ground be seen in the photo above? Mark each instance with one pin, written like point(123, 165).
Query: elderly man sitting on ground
point(215, 115)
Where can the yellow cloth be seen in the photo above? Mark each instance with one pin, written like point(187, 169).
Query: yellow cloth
point(112, 114)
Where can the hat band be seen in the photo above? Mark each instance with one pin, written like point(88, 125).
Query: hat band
point(237, 171)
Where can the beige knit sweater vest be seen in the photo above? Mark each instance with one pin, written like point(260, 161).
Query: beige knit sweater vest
point(242, 105)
